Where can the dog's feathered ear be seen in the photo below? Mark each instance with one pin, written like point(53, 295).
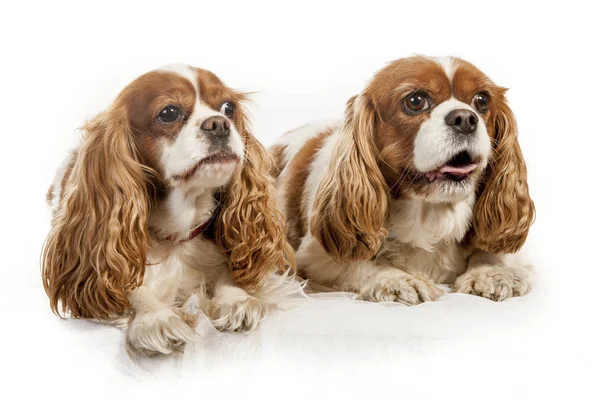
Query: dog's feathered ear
point(250, 230)
point(96, 250)
point(504, 211)
point(351, 204)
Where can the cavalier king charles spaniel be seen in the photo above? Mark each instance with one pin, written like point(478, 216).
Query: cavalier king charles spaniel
point(423, 183)
point(164, 209)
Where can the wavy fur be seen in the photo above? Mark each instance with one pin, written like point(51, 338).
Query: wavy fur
point(95, 252)
point(250, 229)
point(504, 211)
point(351, 205)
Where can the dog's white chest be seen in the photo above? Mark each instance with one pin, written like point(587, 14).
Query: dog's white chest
point(173, 270)
point(424, 239)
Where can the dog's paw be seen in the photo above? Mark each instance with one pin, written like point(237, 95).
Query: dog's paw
point(400, 288)
point(239, 316)
point(494, 282)
point(157, 332)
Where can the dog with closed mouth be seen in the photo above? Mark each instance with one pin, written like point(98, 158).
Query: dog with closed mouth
point(165, 208)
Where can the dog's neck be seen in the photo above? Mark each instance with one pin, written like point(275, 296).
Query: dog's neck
point(182, 210)
point(423, 224)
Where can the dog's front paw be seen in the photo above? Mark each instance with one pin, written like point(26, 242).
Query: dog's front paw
point(239, 316)
point(494, 282)
point(157, 332)
point(399, 287)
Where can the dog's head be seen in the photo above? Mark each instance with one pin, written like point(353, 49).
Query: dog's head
point(438, 130)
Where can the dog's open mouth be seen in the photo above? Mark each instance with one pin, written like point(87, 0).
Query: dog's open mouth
point(222, 157)
point(457, 168)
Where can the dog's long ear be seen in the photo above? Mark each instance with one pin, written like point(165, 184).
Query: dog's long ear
point(504, 211)
point(351, 205)
point(250, 230)
point(95, 252)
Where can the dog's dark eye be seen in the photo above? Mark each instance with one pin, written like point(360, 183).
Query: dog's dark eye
point(481, 102)
point(168, 114)
point(228, 109)
point(416, 103)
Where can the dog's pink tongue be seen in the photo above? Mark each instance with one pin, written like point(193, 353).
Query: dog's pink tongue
point(454, 171)
point(463, 170)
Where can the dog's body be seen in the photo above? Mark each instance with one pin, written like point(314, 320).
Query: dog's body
point(374, 206)
point(164, 209)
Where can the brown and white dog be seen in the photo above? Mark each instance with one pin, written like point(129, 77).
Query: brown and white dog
point(423, 183)
point(166, 197)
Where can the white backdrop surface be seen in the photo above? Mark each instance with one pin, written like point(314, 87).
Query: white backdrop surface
point(64, 62)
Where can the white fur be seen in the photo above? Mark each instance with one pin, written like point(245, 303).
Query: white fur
point(184, 209)
point(423, 238)
point(422, 224)
point(448, 64)
point(182, 70)
point(155, 327)
point(233, 309)
point(495, 277)
point(318, 169)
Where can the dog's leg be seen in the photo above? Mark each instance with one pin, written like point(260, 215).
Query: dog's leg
point(377, 283)
point(369, 280)
point(494, 277)
point(155, 328)
point(232, 308)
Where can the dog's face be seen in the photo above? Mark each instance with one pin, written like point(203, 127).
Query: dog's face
point(435, 129)
point(184, 121)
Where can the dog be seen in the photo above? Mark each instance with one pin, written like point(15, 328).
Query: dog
point(422, 183)
point(165, 208)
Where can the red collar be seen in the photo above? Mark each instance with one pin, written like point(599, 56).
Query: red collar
point(193, 233)
point(196, 231)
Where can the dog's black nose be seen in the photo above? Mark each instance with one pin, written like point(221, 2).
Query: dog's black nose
point(462, 121)
point(216, 126)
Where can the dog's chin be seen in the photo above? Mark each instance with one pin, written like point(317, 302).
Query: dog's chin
point(211, 172)
point(215, 175)
point(450, 191)
point(442, 191)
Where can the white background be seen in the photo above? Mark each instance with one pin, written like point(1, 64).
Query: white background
point(62, 63)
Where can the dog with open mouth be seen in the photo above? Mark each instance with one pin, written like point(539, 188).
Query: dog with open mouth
point(164, 209)
point(422, 183)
